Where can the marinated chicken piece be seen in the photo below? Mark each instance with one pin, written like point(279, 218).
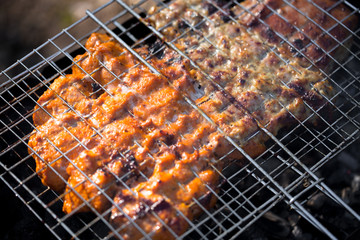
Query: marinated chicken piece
point(57, 142)
point(115, 135)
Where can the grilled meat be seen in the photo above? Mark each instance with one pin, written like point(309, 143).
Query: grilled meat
point(115, 135)
point(315, 32)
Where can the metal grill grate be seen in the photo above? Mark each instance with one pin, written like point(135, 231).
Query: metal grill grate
point(285, 175)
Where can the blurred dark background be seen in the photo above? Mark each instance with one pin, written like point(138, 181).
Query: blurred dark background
point(24, 24)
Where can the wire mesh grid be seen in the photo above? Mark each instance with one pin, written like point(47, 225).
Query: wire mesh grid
point(246, 193)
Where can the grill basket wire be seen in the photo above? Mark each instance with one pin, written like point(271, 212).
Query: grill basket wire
point(247, 193)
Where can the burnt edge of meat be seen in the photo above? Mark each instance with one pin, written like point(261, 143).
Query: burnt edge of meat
point(209, 7)
point(314, 100)
point(124, 198)
point(168, 138)
point(157, 49)
point(270, 35)
point(311, 97)
point(182, 25)
point(226, 15)
point(213, 7)
point(129, 162)
point(297, 87)
point(160, 205)
point(298, 45)
point(145, 206)
point(97, 89)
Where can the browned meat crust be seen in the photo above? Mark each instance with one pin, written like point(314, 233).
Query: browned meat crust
point(115, 135)
point(319, 30)
point(316, 31)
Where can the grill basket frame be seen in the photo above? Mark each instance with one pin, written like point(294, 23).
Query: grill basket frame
point(239, 205)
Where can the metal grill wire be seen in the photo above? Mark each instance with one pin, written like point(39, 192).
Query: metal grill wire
point(238, 205)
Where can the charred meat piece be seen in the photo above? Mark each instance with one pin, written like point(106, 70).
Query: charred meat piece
point(115, 135)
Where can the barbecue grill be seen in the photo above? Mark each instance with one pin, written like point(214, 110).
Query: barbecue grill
point(288, 175)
